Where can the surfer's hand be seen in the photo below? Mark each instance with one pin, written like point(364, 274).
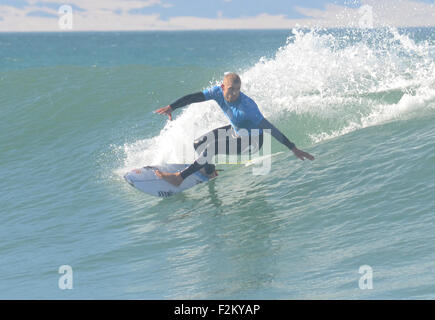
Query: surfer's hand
point(302, 154)
point(165, 110)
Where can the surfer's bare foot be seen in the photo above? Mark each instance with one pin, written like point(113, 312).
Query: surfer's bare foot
point(173, 178)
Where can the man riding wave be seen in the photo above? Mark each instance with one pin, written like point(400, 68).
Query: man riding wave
point(245, 119)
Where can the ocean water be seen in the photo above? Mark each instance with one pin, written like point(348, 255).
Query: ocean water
point(356, 223)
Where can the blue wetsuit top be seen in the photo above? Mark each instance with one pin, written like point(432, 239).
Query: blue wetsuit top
point(243, 113)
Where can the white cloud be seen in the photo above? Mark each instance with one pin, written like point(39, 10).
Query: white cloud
point(385, 13)
point(97, 15)
point(402, 13)
point(113, 15)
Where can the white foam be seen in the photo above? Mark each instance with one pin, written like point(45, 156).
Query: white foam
point(328, 81)
point(174, 143)
point(406, 107)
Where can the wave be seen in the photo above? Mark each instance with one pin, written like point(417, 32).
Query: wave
point(320, 85)
point(344, 81)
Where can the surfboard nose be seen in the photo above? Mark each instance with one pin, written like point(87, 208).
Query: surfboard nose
point(127, 178)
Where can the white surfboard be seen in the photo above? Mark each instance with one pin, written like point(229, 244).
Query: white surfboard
point(145, 180)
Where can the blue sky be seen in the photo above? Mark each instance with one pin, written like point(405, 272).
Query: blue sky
point(34, 15)
point(235, 8)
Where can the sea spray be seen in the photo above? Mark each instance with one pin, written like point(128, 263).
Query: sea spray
point(321, 84)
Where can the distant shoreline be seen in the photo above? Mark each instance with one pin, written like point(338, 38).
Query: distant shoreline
point(211, 30)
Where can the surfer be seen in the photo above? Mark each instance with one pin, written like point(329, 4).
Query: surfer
point(242, 112)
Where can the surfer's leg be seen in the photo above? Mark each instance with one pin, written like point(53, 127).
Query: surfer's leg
point(202, 145)
point(236, 145)
point(228, 143)
point(199, 145)
point(191, 169)
point(172, 178)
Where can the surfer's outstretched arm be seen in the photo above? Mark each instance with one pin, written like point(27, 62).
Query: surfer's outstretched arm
point(278, 135)
point(184, 101)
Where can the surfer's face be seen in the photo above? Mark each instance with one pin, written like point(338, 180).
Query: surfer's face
point(231, 90)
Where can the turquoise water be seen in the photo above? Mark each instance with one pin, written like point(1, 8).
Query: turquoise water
point(77, 113)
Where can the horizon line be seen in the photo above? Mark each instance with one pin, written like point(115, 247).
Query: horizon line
point(211, 29)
